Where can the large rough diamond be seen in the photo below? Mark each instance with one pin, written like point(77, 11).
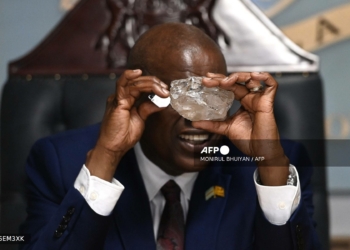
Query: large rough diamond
point(196, 102)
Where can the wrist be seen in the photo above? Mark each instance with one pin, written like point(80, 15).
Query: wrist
point(274, 172)
point(102, 163)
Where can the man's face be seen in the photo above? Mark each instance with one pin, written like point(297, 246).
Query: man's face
point(169, 140)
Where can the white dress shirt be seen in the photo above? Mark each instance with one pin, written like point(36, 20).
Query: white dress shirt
point(154, 179)
point(277, 203)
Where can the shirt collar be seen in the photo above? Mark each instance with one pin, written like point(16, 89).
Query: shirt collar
point(154, 177)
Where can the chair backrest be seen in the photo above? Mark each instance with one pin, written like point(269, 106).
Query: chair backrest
point(64, 82)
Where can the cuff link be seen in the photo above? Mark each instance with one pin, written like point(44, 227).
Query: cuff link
point(292, 179)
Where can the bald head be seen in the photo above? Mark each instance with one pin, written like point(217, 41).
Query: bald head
point(177, 47)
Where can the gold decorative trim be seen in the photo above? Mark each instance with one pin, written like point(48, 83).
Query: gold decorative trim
point(277, 8)
point(321, 30)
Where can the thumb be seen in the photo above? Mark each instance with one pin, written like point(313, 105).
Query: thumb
point(147, 108)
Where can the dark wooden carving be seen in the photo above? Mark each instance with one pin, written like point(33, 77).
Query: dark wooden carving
point(96, 36)
point(131, 18)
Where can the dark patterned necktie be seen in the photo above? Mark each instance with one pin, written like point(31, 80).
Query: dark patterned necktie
point(172, 224)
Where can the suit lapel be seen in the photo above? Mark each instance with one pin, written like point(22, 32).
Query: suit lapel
point(132, 213)
point(204, 216)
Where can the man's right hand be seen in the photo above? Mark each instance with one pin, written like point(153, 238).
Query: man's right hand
point(123, 122)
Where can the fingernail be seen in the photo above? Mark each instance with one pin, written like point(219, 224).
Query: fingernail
point(136, 70)
point(225, 79)
point(165, 91)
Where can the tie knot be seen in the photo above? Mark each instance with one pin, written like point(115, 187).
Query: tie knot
point(171, 191)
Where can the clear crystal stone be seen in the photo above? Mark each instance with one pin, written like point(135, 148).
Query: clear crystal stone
point(196, 102)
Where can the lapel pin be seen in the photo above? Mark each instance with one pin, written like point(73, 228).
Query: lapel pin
point(214, 191)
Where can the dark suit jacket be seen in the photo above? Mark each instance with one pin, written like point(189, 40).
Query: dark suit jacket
point(59, 217)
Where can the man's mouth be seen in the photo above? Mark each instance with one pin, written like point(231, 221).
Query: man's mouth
point(193, 141)
point(195, 138)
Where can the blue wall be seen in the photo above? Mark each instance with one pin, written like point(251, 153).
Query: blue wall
point(22, 25)
point(335, 71)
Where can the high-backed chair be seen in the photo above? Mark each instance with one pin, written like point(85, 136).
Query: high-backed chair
point(64, 82)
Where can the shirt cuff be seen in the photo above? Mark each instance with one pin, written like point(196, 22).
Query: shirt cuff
point(278, 202)
point(101, 195)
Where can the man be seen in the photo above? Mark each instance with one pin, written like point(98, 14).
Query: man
point(149, 150)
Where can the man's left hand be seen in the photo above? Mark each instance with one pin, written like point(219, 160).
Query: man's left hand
point(253, 127)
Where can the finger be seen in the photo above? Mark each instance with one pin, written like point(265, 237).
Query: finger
point(215, 75)
point(211, 82)
point(253, 84)
point(238, 77)
point(239, 91)
point(241, 83)
point(217, 127)
point(144, 79)
point(127, 97)
point(241, 78)
point(227, 82)
point(127, 76)
point(146, 109)
point(245, 80)
point(146, 84)
point(149, 88)
point(270, 82)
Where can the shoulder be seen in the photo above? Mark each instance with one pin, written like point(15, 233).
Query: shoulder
point(68, 147)
point(61, 156)
point(77, 139)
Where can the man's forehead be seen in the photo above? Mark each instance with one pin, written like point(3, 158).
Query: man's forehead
point(183, 65)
